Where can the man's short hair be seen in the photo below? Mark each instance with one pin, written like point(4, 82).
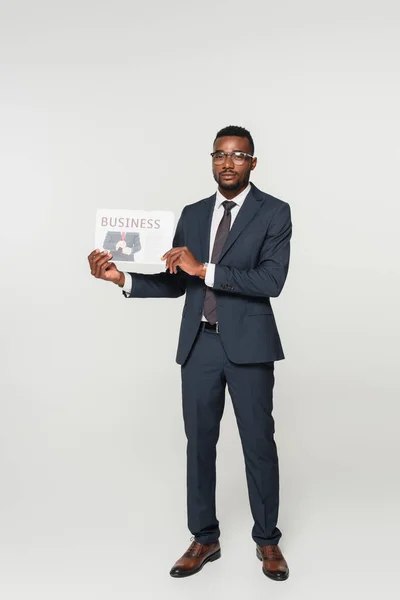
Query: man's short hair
point(235, 130)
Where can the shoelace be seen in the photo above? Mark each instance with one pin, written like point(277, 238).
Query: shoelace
point(194, 548)
point(272, 552)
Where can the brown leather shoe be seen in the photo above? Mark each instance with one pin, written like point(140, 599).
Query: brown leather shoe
point(274, 565)
point(194, 559)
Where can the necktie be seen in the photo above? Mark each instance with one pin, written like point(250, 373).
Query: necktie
point(210, 302)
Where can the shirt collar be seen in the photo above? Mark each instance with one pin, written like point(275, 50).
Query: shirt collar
point(239, 199)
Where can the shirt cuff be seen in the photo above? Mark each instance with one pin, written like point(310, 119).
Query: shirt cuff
point(127, 287)
point(210, 275)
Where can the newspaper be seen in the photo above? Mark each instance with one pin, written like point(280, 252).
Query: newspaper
point(140, 236)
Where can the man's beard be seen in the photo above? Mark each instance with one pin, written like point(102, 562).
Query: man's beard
point(234, 185)
point(229, 186)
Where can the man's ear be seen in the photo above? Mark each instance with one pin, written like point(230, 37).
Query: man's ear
point(253, 164)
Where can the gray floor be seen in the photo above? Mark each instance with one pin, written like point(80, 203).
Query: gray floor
point(101, 528)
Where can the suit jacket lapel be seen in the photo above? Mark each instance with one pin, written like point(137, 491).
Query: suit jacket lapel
point(204, 227)
point(246, 213)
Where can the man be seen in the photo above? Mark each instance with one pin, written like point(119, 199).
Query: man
point(230, 255)
point(124, 245)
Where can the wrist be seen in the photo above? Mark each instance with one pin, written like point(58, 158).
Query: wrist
point(202, 271)
point(121, 281)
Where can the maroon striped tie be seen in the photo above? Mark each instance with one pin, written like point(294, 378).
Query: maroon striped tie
point(210, 302)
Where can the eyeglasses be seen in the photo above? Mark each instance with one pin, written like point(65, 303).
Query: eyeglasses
point(238, 158)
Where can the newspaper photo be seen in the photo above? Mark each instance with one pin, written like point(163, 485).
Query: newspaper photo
point(135, 235)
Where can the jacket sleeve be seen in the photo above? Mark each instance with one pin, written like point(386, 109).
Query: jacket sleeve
point(108, 243)
point(161, 285)
point(268, 278)
point(137, 246)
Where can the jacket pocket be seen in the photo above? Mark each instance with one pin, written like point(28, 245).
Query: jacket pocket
point(258, 309)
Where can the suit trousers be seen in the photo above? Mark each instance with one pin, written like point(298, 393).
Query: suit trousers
point(205, 375)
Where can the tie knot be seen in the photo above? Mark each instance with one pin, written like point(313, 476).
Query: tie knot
point(228, 205)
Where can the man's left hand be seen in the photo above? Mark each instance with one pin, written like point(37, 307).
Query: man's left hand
point(183, 258)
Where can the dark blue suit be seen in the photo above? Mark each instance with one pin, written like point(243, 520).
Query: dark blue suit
point(252, 268)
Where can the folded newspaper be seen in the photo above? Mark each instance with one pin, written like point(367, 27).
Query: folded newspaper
point(140, 236)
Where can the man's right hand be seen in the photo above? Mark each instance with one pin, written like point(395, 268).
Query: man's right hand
point(102, 268)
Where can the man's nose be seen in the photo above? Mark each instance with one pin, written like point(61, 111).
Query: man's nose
point(228, 162)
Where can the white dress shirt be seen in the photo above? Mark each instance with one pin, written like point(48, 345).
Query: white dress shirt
point(218, 213)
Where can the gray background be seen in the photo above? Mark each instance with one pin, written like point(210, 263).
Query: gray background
point(116, 105)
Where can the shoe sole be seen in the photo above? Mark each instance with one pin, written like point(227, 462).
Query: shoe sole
point(280, 578)
point(211, 558)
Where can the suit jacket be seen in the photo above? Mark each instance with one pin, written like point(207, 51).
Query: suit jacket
point(252, 268)
point(132, 239)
